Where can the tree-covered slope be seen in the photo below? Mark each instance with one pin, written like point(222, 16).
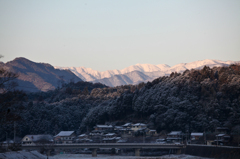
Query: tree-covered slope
point(195, 100)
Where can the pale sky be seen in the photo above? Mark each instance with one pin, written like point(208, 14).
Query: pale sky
point(114, 34)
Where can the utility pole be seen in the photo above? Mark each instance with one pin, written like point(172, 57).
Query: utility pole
point(238, 136)
point(186, 138)
point(14, 131)
point(204, 137)
point(6, 141)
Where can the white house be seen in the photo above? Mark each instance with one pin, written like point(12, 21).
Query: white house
point(196, 135)
point(127, 125)
point(65, 137)
point(137, 126)
point(174, 136)
point(104, 127)
point(37, 139)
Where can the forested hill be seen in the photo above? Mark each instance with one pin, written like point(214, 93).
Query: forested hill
point(195, 100)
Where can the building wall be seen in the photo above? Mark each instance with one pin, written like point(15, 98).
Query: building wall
point(27, 140)
point(136, 128)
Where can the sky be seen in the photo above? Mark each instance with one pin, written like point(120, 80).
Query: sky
point(114, 34)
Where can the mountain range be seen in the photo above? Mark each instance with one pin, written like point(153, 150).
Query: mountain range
point(43, 77)
point(140, 72)
point(33, 77)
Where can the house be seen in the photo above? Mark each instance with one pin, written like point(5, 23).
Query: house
point(152, 133)
point(7, 143)
point(110, 135)
point(137, 126)
point(37, 139)
point(104, 127)
point(127, 126)
point(174, 136)
point(96, 135)
point(117, 128)
point(82, 136)
point(222, 130)
point(65, 137)
point(210, 139)
point(85, 140)
point(126, 132)
point(197, 138)
point(222, 139)
point(111, 139)
point(161, 141)
point(141, 132)
point(210, 142)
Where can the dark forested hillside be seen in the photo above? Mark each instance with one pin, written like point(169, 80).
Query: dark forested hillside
point(59, 109)
point(195, 100)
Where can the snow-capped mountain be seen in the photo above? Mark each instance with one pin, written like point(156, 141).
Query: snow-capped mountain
point(140, 72)
point(89, 74)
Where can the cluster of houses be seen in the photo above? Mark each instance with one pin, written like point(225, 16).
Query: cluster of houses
point(118, 134)
point(101, 133)
point(220, 137)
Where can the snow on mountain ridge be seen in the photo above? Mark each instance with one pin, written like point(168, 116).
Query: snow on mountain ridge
point(89, 74)
point(141, 68)
point(150, 70)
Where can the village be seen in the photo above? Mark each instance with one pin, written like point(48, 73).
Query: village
point(131, 133)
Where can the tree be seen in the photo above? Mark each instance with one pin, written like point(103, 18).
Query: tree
point(85, 91)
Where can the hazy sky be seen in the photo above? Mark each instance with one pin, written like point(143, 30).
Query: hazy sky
point(114, 34)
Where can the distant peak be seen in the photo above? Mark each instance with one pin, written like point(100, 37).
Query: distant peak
point(20, 58)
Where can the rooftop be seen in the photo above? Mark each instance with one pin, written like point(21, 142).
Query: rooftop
point(127, 124)
point(65, 133)
point(110, 134)
point(139, 124)
point(196, 134)
point(175, 133)
point(118, 127)
point(82, 135)
point(104, 126)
